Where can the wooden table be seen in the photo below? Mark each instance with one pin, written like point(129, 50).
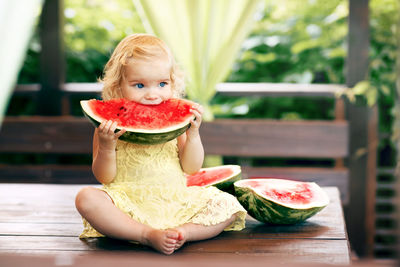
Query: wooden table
point(41, 219)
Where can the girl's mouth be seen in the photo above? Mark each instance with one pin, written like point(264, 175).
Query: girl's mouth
point(155, 102)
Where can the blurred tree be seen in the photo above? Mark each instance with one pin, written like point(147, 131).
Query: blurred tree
point(92, 30)
point(396, 125)
point(296, 41)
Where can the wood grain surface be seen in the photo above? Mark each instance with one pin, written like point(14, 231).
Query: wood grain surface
point(41, 219)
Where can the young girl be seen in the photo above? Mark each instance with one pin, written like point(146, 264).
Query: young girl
point(144, 197)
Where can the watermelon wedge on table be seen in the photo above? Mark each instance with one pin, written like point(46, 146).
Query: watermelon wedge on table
point(280, 201)
point(221, 177)
point(145, 124)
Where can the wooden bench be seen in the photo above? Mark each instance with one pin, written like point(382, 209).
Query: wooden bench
point(240, 141)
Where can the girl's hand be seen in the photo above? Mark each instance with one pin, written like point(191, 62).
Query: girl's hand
point(193, 131)
point(107, 137)
point(191, 151)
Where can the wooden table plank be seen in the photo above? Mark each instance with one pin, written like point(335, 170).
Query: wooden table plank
point(123, 259)
point(306, 250)
point(254, 229)
point(41, 229)
point(46, 203)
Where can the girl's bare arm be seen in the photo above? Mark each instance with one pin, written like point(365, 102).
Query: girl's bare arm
point(191, 151)
point(104, 164)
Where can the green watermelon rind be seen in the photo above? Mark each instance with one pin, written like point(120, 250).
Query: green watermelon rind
point(226, 184)
point(143, 138)
point(268, 211)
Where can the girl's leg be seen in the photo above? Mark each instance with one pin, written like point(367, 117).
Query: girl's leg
point(196, 232)
point(99, 210)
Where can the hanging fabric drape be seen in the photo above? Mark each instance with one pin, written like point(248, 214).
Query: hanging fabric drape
point(16, 26)
point(204, 35)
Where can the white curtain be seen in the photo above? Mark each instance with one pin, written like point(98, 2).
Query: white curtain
point(17, 19)
point(204, 35)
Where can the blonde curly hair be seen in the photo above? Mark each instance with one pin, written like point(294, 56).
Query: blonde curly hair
point(138, 46)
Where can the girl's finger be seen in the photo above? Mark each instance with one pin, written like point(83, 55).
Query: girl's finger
point(121, 132)
point(194, 124)
point(113, 127)
point(197, 115)
point(102, 125)
point(199, 108)
point(106, 128)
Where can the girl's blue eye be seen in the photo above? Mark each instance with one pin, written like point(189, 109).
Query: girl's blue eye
point(139, 85)
point(162, 84)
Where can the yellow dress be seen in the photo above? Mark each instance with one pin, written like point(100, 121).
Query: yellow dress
point(151, 188)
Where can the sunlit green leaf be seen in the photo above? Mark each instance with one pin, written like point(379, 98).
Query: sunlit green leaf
point(361, 87)
point(265, 58)
point(337, 52)
point(372, 96)
point(385, 89)
point(304, 45)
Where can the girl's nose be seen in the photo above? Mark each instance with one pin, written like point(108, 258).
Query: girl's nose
point(151, 95)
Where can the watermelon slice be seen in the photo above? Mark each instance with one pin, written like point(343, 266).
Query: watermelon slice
point(221, 177)
point(145, 124)
point(279, 201)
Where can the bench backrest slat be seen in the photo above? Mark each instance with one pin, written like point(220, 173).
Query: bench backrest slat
point(271, 138)
point(246, 138)
point(46, 135)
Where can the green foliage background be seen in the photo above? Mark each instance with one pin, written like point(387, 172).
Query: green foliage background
point(293, 42)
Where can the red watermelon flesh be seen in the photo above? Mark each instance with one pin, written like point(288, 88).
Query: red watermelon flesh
point(296, 193)
point(138, 116)
point(301, 194)
point(208, 177)
point(221, 177)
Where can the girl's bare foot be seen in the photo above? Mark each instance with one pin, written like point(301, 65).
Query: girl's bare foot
point(164, 241)
point(182, 237)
